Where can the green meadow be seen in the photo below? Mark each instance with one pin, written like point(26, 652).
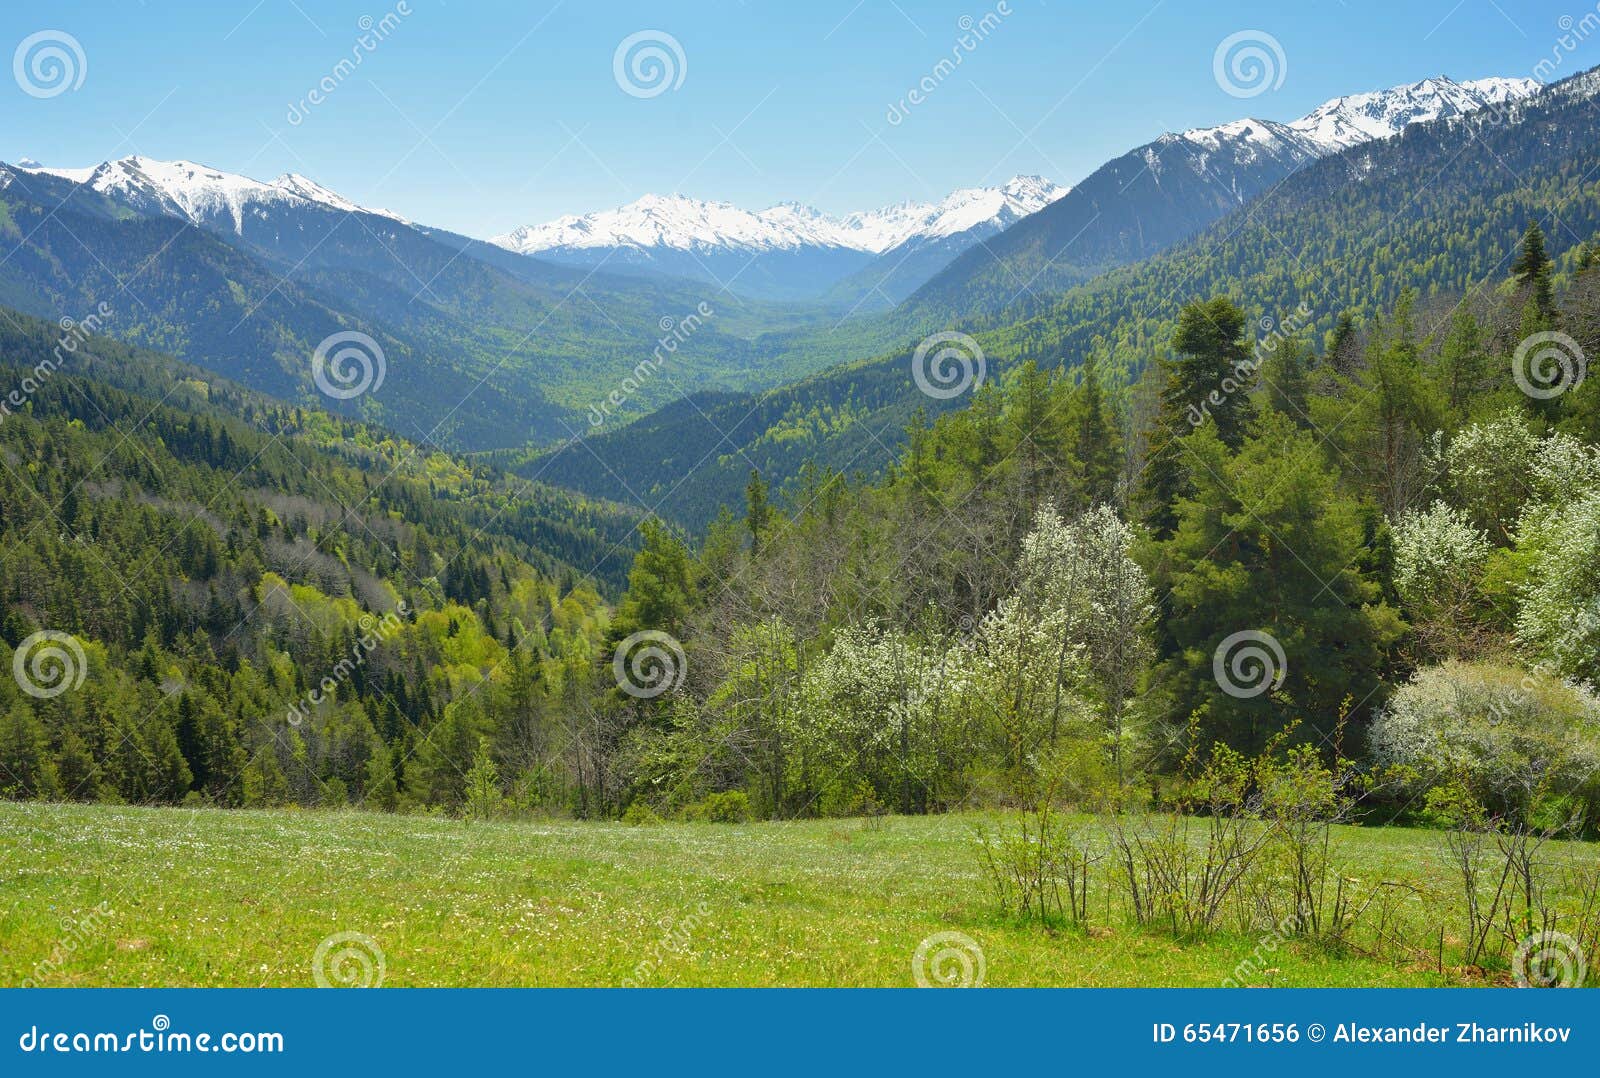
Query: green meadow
point(102, 895)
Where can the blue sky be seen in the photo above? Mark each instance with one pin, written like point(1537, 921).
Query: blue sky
point(480, 116)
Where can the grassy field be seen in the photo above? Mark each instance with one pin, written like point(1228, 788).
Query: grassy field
point(128, 896)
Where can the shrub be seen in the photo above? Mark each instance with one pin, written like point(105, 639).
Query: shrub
point(730, 806)
point(1519, 741)
point(640, 814)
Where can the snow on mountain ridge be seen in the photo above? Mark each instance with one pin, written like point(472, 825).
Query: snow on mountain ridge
point(1356, 118)
point(687, 224)
point(198, 193)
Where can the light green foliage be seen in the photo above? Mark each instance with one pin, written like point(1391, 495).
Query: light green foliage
point(1516, 738)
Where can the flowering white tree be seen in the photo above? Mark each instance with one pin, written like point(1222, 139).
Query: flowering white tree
point(1486, 467)
point(1515, 736)
point(1438, 565)
point(1084, 572)
point(1558, 620)
point(876, 706)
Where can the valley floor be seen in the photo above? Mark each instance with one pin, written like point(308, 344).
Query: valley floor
point(94, 895)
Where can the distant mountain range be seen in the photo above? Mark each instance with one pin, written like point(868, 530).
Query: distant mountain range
point(201, 195)
point(1439, 209)
point(483, 348)
point(1167, 190)
point(1135, 205)
point(247, 276)
point(787, 251)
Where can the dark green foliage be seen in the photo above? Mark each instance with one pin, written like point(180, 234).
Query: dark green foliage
point(1439, 210)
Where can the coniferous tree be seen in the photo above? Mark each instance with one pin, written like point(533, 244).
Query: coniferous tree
point(1097, 441)
point(1532, 270)
point(758, 511)
point(1208, 380)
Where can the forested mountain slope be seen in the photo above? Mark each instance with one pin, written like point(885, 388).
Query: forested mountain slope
point(524, 348)
point(1439, 208)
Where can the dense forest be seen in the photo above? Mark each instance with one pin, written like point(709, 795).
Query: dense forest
point(187, 565)
point(1377, 535)
point(1437, 210)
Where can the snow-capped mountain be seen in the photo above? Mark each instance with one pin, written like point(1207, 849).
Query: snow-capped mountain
point(787, 250)
point(1166, 190)
point(688, 224)
point(199, 194)
point(1357, 118)
point(1347, 121)
point(884, 255)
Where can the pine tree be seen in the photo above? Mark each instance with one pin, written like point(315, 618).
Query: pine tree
point(26, 770)
point(1269, 545)
point(758, 511)
point(1287, 385)
point(1463, 363)
point(483, 797)
point(1097, 442)
point(1207, 381)
point(660, 585)
point(1532, 270)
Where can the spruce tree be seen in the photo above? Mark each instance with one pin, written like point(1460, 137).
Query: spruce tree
point(1207, 382)
point(1097, 442)
point(1532, 269)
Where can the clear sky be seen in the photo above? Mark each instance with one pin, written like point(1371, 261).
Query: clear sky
point(481, 116)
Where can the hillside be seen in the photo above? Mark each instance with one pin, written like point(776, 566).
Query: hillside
point(246, 279)
point(202, 558)
point(1439, 209)
point(1170, 189)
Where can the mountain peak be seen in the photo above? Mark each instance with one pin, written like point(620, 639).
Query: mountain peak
point(681, 223)
point(198, 193)
point(1356, 118)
